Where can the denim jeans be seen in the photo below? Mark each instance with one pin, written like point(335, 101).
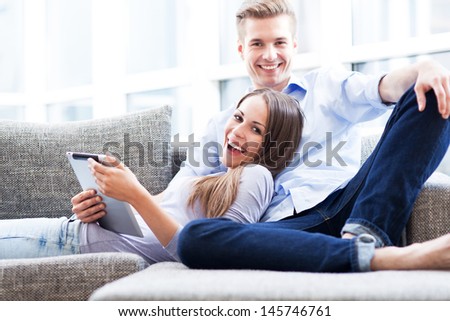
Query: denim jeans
point(38, 237)
point(375, 205)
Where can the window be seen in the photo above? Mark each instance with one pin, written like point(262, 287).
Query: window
point(11, 50)
point(181, 116)
point(69, 50)
point(231, 90)
point(69, 111)
point(12, 80)
point(396, 20)
point(80, 59)
point(12, 112)
point(152, 35)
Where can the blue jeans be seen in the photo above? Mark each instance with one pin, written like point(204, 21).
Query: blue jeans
point(38, 237)
point(375, 205)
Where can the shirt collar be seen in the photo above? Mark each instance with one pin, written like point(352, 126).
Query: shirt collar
point(294, 84)
point(296, 88)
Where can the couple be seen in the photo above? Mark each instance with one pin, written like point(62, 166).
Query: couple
point(327, 217)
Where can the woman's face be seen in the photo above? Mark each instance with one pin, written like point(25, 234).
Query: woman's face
point(244, 132)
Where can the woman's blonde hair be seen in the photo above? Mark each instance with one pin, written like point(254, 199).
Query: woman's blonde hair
point(284, 128)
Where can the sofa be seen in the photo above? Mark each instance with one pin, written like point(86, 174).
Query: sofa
point(37, 181)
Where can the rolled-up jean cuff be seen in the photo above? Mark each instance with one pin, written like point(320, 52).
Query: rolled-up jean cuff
point(365, 249)
point(357, 229)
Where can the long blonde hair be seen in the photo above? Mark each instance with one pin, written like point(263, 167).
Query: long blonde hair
point(284, 127)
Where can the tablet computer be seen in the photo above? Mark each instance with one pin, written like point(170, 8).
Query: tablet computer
point(119, 216)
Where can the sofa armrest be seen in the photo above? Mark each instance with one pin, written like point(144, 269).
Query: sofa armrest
point(430, 217)
point(65, 278)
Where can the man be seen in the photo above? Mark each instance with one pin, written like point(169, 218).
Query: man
point(327, 214)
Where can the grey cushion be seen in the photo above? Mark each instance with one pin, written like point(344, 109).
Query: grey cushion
point(430, 217)
point(173, 281)
point(72, 277)
point(37, 180)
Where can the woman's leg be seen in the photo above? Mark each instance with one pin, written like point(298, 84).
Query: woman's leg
point(38, 237)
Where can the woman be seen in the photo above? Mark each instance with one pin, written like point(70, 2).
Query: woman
point(260, 140)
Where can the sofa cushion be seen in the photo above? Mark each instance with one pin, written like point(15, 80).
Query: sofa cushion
point(37, 180)
point(174, 281)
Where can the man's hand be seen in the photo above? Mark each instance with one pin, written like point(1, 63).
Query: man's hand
point(431, 75)
point(426, 75)
point(88, 206)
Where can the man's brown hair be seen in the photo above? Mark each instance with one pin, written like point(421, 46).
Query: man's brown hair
point(262, 9)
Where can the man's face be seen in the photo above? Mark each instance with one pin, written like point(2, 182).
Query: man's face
point(267, 47)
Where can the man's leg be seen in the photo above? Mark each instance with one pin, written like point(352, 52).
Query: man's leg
point(281, 246)
point(409, 151)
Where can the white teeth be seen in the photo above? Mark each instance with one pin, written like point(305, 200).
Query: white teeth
point(269, 67)
point(235, 146)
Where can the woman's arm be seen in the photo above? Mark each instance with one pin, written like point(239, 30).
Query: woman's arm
point(120, 183)
point(426, 75)
point(163, 226)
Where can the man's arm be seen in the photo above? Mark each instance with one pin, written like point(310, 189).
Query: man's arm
point(426, 75)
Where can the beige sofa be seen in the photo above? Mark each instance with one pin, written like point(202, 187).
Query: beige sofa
point(38, 182)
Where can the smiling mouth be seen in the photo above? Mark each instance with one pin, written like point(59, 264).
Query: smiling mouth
point(235, 148)
point(271, 67)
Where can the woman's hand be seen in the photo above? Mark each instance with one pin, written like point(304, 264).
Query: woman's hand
point(116, 181)
point(88, 206)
